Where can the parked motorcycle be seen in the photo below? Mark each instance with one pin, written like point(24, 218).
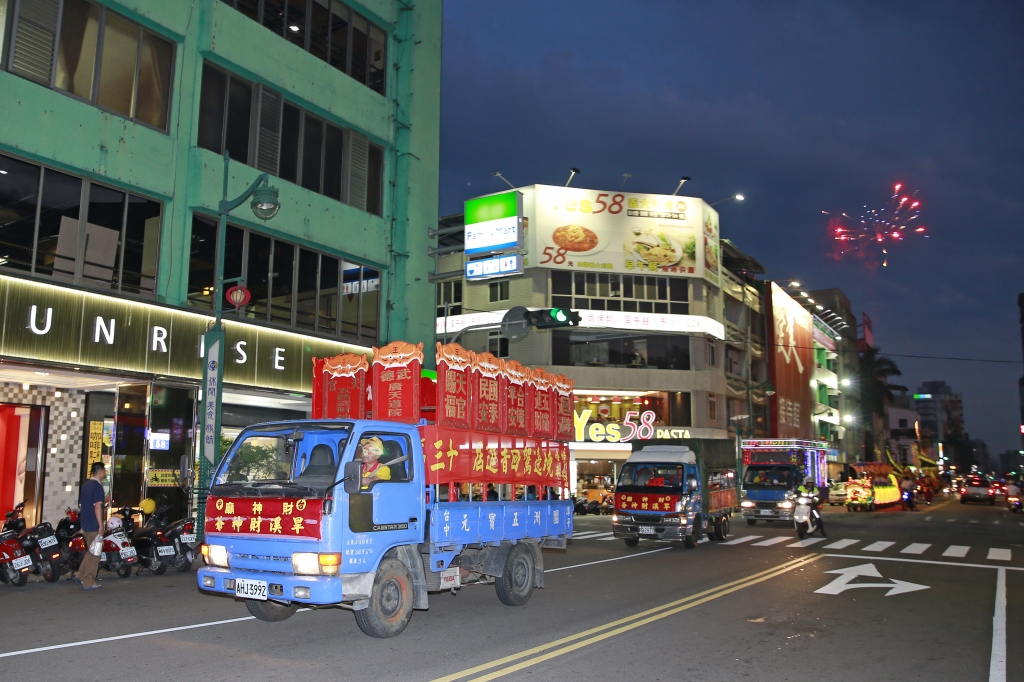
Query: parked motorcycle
point(14, 563)
point(39, 543)
point(158, 543)
point(805, 516)
point(119, 556)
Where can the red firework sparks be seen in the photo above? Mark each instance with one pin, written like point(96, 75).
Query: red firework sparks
point(877, 229)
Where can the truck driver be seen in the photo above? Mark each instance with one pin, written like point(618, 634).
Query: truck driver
point(371, 449)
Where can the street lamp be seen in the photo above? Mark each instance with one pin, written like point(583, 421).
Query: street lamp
point(265, 206)
point(734, 197)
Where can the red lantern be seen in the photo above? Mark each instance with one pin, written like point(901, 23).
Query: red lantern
point(237, 296)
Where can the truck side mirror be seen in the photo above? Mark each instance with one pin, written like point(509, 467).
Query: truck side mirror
point(353, 477)
point(691, 483)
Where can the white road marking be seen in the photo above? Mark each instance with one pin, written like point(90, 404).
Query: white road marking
point(604, 561)
point(598, 536)
point(952, 520)
point(740, 540)
point(807, 542)
point(974, 520)
point(586, 534)
point(997, 554)
point(997, 661)
point(878, 546)
point(842, 583)
point(997, 522)
point(915, 548)
point(770, 541)
point(841, 544)
point(959, 551)
point(931, 562)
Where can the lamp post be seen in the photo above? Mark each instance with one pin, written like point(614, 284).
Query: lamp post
point(734, 197)
point(264, 206)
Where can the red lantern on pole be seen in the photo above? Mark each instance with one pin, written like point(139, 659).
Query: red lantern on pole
point(237, 296)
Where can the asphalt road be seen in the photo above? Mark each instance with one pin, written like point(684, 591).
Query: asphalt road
point(889, 595)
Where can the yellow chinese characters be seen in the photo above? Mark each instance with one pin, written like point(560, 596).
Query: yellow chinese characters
point(297, 526)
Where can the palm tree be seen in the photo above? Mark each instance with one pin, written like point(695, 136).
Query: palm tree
point(875, 396)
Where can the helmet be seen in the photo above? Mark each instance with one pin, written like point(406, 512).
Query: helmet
point(148, 506)
point(113, 523)
point(808, 479)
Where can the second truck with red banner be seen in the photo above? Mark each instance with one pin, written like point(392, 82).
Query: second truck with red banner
point(399, 486)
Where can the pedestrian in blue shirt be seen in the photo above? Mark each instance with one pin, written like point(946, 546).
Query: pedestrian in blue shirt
point(91, 517)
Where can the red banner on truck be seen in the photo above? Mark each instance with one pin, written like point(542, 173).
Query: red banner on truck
point(458, 456)
point(292, 517)
point(646, 502)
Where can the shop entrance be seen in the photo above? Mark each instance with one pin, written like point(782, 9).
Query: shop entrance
point(22, 464)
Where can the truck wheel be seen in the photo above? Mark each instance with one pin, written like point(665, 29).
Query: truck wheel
point(390, 606)
point(751, 522)
point(690, 541)
point(270, 611)
point(721, 528)
point(515, 586)
point(632, 542)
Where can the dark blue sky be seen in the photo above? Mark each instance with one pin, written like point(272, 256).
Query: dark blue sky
point(802, 107)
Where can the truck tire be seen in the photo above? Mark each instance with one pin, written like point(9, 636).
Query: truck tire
point(721, 528)
point(515, 586)
point(632, 542)
point(751, 522)
point(390, 607)
point(690, 541)
point(270, 611)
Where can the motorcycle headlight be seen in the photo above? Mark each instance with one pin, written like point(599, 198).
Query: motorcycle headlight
point(786, 504)
point(747, 504)
point(801, 500)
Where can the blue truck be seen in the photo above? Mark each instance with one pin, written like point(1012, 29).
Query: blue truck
point(299, 514)
point(773, 470)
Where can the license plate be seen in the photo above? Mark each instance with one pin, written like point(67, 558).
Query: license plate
point(165, 551)
point(765, 512)
point(451, 577)
point(187, 537)
point(48, 541)
point(22, 562)
point(251, 589)
point(127, 552)
point(647, 530)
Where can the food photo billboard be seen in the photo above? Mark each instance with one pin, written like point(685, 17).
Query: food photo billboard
point(589, 230)
point(791, 340)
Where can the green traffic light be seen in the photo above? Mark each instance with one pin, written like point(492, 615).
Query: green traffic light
point(559, 315)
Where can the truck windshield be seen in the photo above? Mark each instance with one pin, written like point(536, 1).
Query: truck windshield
point(644, 477)
point(282, 461)
point(768, 477)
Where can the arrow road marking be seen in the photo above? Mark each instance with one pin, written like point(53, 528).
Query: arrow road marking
point(842, 583)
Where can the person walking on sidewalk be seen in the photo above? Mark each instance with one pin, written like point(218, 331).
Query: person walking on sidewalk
point(91, 515)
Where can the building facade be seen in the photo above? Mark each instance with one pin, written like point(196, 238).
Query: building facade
point(119, 121)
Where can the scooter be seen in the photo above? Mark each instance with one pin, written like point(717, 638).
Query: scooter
point(805, 516)
point(907, 498)
point(118, 554)
point(160, 544)
point(14, 563)
point(1013, 502)
point(38, 542)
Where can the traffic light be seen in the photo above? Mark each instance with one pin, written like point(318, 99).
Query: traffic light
point(552, 317)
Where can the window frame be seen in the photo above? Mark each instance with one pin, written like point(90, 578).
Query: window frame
point(410, 469)
point(499, 291)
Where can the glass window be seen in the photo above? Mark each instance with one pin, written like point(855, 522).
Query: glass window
point(296, 32)
point(19, 189)
point(258, 275)
point(370, 304)
point(103, 234)
point(679, 289)
point(339, 36)
point(644, 477)
point(305, 295)
point(497, 344)
point(233, 259)
point(57, 248)
point(378, 54)
point(273, 15)
point(154, 81)
point(374, 177)
point(250, 8)
point(282, 283)
point(591, 287)
point(289, 159)
point(117, 65)
point(499, 291)
point(713, 408)
point(561, 282)
point(201, 262)
point(627, 288)
point(211, 109)
point(236, 136)
point(768, 477)
point(350, 299)
point(579, 280)
point(360, 46)
point(312, 150)
point(451, 293)
point(327, 312)
point(141, 246)
point(614, 287)
point(334, 144)
point(76, 53)
point(319, 28)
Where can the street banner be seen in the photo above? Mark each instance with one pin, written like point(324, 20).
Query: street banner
point(454, 386)
point(213, 374)
point(488, 392)
point(339, 387)
point(518, 398)
point(791, 344)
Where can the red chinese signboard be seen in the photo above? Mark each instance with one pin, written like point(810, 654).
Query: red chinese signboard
point(339, 387)
point(791, 341)
point(289, 517)
point(646, 502)
point(454, 386)
point(543, 414)
point(396, 382)
point(518, 399)
point(458, 456)
point(488, 382)
point(564, 426)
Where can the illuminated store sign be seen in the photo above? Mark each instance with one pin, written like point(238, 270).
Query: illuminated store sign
point(47, 323)
point(613, 432)
point(603, 319)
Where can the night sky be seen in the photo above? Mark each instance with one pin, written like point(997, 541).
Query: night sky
point(801, 107)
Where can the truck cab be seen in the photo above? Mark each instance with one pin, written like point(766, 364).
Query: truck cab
point(319, 513)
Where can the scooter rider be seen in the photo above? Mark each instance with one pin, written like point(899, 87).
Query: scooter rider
point(810, 491)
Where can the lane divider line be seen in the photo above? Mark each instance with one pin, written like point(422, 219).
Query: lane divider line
point(604, 561)
point(522, 654)
point(997, 659)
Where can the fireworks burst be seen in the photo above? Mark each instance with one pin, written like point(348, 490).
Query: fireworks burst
point(877, 229)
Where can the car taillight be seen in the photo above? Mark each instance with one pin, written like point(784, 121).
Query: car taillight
point(963, 490)
point(991, 491)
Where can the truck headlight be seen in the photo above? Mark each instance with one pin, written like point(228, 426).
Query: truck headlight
point(747, 504)
point(311, 563)
point(216, 555)
point(786, 504)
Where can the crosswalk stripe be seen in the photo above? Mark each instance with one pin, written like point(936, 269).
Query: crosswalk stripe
point(958, 551)
point(997, 554)
point(927, 518)
point(915, 548)
point(604, 538)
point(841, 544)
point(974, 520)
point(997, 522)
point(878, 546)
point(806, 542)
point(770, 541)
point(740, 540)
point(588, 534)
point(952, 520)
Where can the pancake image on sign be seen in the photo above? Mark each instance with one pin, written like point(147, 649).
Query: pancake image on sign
point(576, 239)
point(653, 246)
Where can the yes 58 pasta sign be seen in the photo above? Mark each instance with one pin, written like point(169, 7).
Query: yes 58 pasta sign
point(613, 432)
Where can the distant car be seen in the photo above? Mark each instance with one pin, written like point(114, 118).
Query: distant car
point(837, 494)
point(978, 490)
